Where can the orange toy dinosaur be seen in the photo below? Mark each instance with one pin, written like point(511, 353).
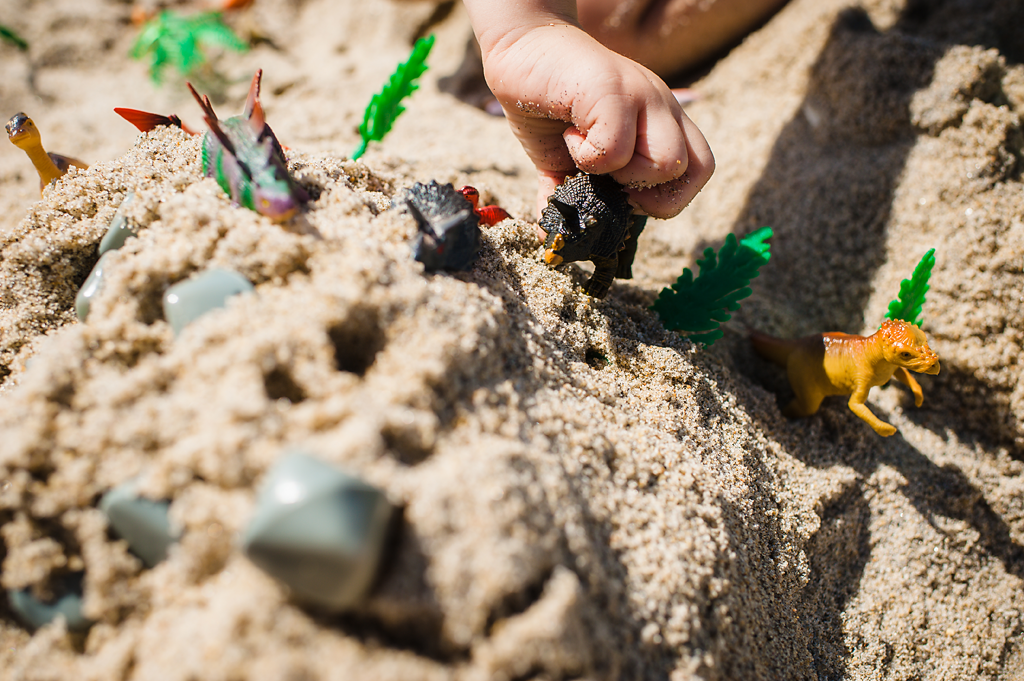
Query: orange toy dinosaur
point(844, 364)
point(24, 134)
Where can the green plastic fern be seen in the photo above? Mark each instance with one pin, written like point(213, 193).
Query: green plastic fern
point(698, 306)
point(911, 299)
point(385, 107)
point(7, 35)
point(179, 42)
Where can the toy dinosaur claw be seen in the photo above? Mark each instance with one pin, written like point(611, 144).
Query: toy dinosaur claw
point(885, 430)
point(597, 288)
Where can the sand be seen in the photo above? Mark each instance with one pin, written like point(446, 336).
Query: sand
point(583, 494)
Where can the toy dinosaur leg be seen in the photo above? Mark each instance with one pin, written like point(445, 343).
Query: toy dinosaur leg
point(624, 269)
point(905, 377)
point(803, 405)
point(808, 394)
point(858, 407)
point(601, 282)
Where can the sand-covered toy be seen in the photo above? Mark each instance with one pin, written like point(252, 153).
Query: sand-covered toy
point(243, 155)
point(448, 236)
point(589, 218)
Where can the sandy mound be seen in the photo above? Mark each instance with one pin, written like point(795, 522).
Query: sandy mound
point(582, 493)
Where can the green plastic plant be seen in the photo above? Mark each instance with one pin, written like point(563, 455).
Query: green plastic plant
point(172, 40)
point(698, 306)
point(385, 106)
point(911, 299)
point(13, 38)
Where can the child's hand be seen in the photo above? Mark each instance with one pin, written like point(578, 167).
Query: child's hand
point(575, 104)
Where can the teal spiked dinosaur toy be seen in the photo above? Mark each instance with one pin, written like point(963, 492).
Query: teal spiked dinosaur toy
point(247, 161)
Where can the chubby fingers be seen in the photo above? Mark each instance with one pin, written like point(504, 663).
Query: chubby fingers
point(655, 150)
point(667, 199)
point(603, 136)
point(636, 134)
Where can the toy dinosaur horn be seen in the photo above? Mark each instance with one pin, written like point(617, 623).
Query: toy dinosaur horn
point(204, 103)
point(253, 109)
point(557, 242)
point(569, 213)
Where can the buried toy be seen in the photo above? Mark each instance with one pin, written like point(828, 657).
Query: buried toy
point(24, 134)
point(447, 226)
point(146, 121)
point(489, 215)
point(243, 155)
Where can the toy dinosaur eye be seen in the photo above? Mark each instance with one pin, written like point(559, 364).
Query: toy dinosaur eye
point(906, 355)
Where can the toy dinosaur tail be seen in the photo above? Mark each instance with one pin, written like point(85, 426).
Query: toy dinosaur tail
point(146, 121)
point(773, 349)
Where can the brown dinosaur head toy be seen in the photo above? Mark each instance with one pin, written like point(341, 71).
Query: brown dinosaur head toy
point(907, 346)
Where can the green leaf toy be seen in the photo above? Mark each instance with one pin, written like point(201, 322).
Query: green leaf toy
point(386, 106)
point(9, 36)
point(698, 306)
point(172, 40)
point(907, 306)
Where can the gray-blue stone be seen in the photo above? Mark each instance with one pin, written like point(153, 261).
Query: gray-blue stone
point(188, 300)
point(318, 530)
point(120, 229)
point(90, 289)
point(141, 522)
point(35, 613)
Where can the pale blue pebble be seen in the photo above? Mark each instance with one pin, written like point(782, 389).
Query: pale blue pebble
point(188, 300)
point(319, 531)
point(120, 229)
point(91, 288)
point(143, 523)
point(36, 614)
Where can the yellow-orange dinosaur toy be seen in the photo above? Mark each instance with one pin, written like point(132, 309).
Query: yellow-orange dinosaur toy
point(845, 364)
point(24, 134)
